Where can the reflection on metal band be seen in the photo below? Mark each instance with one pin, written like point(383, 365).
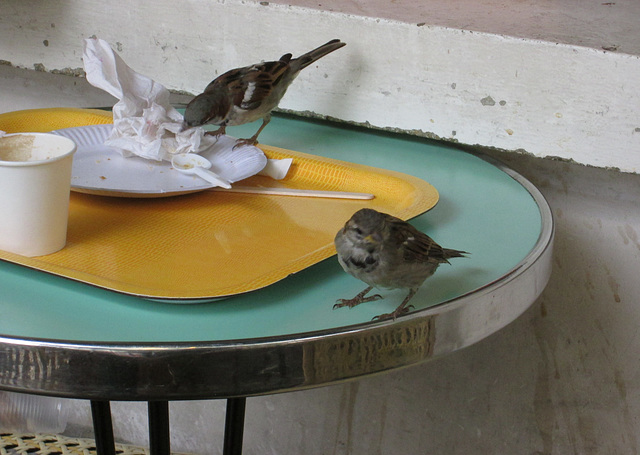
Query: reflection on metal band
point(378, 350)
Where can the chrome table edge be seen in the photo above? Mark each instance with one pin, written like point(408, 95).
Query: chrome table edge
point(210, 370)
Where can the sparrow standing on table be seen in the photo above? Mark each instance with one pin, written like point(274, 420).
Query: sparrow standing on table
point(244, 95)
point(387, 252)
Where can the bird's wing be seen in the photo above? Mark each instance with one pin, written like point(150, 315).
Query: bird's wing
point(248, 87)
point(416, 246)
point(211, 106)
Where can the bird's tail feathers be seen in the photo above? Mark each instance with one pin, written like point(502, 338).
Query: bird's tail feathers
point(448, 253)
point(307, 59)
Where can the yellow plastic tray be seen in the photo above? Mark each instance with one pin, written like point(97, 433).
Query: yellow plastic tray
point(211, 244)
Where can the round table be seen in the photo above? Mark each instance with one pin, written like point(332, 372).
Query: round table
point(64, 338)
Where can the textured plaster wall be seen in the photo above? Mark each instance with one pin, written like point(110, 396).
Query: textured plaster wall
point(402, 72)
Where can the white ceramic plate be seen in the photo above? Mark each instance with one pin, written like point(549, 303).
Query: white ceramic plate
point(100, 169)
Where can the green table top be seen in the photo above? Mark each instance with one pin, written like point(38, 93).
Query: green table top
point(482, 210)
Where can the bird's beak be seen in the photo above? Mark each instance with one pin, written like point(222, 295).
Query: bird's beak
point(373, 239)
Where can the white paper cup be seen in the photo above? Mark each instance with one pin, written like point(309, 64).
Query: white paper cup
point(35, 180)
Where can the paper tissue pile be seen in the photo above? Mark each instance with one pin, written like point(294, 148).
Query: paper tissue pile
point(144, 122)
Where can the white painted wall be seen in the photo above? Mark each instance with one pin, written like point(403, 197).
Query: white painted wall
point(493, 90)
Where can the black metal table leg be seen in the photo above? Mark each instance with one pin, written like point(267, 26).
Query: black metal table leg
point(103, 427)
point(234, 426)
point(159, 433)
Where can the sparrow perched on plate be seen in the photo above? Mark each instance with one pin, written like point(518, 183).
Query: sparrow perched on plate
point(244, 95)
point(387, 252)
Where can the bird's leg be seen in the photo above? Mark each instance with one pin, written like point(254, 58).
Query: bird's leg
point(402, 308)
point(358, 299)
point(253, 140)
point(219, 132)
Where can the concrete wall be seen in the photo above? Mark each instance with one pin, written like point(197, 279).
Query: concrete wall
point(404, 72)
point(561, 379)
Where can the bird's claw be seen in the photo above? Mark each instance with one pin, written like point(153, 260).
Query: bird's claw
point(394, 314)
point(217, 133)
point(355, 301)
point(341, 303)
point(242, 142)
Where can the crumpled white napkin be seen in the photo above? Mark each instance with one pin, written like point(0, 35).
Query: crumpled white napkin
point(144, 122)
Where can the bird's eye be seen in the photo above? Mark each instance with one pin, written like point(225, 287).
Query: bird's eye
point(358, 231)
